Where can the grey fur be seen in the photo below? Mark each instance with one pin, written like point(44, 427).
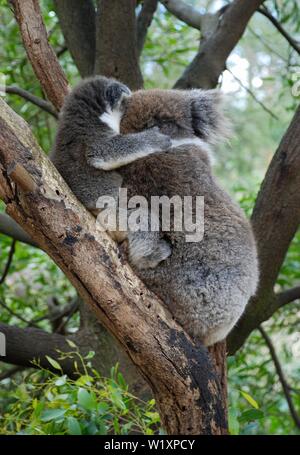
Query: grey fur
point(206, 285)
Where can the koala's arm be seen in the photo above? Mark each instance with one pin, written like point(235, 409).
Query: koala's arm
point(118, 150)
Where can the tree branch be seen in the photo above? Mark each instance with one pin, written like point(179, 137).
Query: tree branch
point(265, 12)
point(275, 219)
point(10, 228)
point(144, 20)
point(39, 200)
point(288, 296)
point(116, 42)
point(279, 371)
point(184, 12)
point(78, 24)
point(23, 345)
point(42, 104)
point(40, 53)
point(8, 263)
point(209, 63)
point(265, 108)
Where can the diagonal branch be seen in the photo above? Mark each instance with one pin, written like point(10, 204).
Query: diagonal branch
point(209, 63)
point(39, 51)
point(282, 379)
point(295, 45)
point(77, 20)
point(144, 20)
point(42, 104)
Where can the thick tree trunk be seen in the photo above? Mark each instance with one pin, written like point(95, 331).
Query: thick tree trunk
point(116, 42)
point(77, 20)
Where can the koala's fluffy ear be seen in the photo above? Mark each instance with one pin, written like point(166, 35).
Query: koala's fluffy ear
point(114, 92)
point(208, 119)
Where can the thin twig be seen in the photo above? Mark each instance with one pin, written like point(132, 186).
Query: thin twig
point(6, 307)
point(8, 262)
point(282, 379)
point(253, 95)
point(74, 308)
point(267, 45)
point(280, 28)
point(42, 104)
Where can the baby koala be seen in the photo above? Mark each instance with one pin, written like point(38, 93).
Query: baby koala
point(109, 138)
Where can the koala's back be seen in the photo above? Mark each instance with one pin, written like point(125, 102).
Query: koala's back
point(205, 284)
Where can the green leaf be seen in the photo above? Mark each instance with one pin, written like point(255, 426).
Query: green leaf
point(84, 380)
point(116, 398)
point(250, 415)
point(73, 426)
point(86, 400)
point(54, 363)
point(52, 414)
point(71, 344)
point(249, 399)
point(90, 355)
point(102, 408)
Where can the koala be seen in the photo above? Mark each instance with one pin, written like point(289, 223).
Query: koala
point(205, 284)
point(89, 149)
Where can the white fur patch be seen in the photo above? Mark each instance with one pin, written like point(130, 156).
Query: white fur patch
point(112, 118)
point(196, 141)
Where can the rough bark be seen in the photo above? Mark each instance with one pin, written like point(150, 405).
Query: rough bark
point(209, 62)
point(116, 42)
point(180, 374)
point(40, 53)
point(77, 20)
point(275, 220)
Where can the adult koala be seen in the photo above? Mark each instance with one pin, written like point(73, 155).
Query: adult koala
point(109, 138)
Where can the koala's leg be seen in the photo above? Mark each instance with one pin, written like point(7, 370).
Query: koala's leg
point(146, 249)
point(218, 334)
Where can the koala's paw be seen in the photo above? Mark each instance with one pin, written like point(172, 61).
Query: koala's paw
point(157, 140)
point(141, 257)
